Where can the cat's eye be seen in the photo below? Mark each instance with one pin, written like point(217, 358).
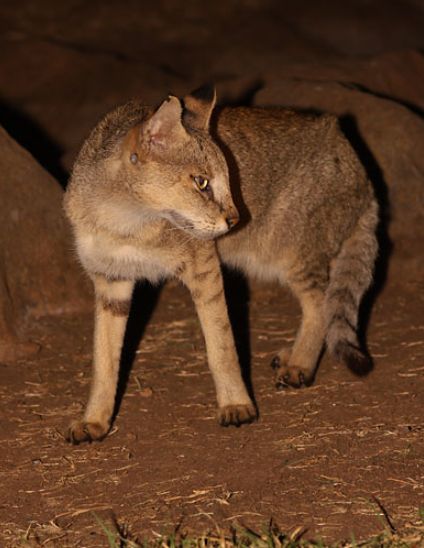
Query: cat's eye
point(201, 182)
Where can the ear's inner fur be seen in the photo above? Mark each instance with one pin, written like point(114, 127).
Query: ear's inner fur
point(165, 127)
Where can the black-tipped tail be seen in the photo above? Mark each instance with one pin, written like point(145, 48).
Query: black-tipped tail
point(350, 276)
point(358, 361)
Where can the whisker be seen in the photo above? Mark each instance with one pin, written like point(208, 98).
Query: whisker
point(186, 227)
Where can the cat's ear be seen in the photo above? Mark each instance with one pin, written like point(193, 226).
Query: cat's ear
point(198, 107)
point(165, 129)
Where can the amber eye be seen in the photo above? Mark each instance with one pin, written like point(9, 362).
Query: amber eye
point(201, 182)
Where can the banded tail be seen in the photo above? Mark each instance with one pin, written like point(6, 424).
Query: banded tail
point(350, 276)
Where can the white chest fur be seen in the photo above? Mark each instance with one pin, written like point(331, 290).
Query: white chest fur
point(116, 258)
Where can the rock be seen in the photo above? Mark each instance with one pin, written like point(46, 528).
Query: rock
point(38, 273)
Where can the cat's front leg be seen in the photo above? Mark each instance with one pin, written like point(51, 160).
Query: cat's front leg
point(113, 300)
point(204, 279)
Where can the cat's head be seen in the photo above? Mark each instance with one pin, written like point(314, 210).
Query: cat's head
point(175, 169)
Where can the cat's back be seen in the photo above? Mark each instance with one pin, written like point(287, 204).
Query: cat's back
point(272, 129)
point(267, 117)
point(297, 181)
point(283, 150)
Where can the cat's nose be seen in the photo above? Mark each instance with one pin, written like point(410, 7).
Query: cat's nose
point(232, 220)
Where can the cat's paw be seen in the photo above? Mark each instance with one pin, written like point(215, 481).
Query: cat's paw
point(237, 414)
point(281, 359)
point(290, 375)
point(80, 431)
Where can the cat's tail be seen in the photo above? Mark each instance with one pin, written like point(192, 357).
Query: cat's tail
point(350, 276)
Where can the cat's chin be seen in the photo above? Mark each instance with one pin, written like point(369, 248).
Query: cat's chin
point(206, 234)
point(189, 227)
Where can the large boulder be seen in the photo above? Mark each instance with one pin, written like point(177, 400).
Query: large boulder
point(38, 273)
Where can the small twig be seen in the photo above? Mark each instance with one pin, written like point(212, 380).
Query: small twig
point(385, 514)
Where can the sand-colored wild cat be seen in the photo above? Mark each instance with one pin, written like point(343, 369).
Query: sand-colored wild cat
point(157, 194)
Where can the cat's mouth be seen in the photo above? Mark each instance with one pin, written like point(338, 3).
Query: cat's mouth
point(187, 225)
point(208, 234)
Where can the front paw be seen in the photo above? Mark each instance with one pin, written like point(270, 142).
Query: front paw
point(81, 430)
point(237, 414)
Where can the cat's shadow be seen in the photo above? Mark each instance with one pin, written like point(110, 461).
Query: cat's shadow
point(144, 301)
point(237, 295)
point(350, 128)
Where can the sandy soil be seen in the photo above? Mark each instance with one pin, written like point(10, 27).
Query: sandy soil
point(318, 458)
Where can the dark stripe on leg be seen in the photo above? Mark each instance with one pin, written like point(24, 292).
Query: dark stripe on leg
point(343, 295)
point(210, 257)
point(116, 307)
point(341, 318)
point(215, 297)
point(202, 275)
point(196, 294)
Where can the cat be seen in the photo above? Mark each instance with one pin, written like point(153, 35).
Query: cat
point(175, 191)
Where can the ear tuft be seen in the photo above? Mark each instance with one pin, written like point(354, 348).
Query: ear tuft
point(205, 93)
point(198, 107)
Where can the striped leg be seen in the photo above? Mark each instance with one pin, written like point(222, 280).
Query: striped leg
point(113, 301)
point(204, 279)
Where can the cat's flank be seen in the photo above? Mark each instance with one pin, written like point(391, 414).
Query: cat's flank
point(156, 194)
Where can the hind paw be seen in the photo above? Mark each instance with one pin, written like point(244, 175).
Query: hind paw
point(290, 375)
point(281, 359)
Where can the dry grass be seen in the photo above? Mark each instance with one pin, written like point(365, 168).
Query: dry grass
point(318, 458)
point(112, 535)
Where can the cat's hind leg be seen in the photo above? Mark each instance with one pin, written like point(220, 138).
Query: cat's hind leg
point(297, 367)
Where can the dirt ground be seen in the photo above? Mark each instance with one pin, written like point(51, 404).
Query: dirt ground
point(343, 457)
point(318, 458)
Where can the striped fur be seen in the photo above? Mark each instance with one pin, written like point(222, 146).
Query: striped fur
point(350, 276)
